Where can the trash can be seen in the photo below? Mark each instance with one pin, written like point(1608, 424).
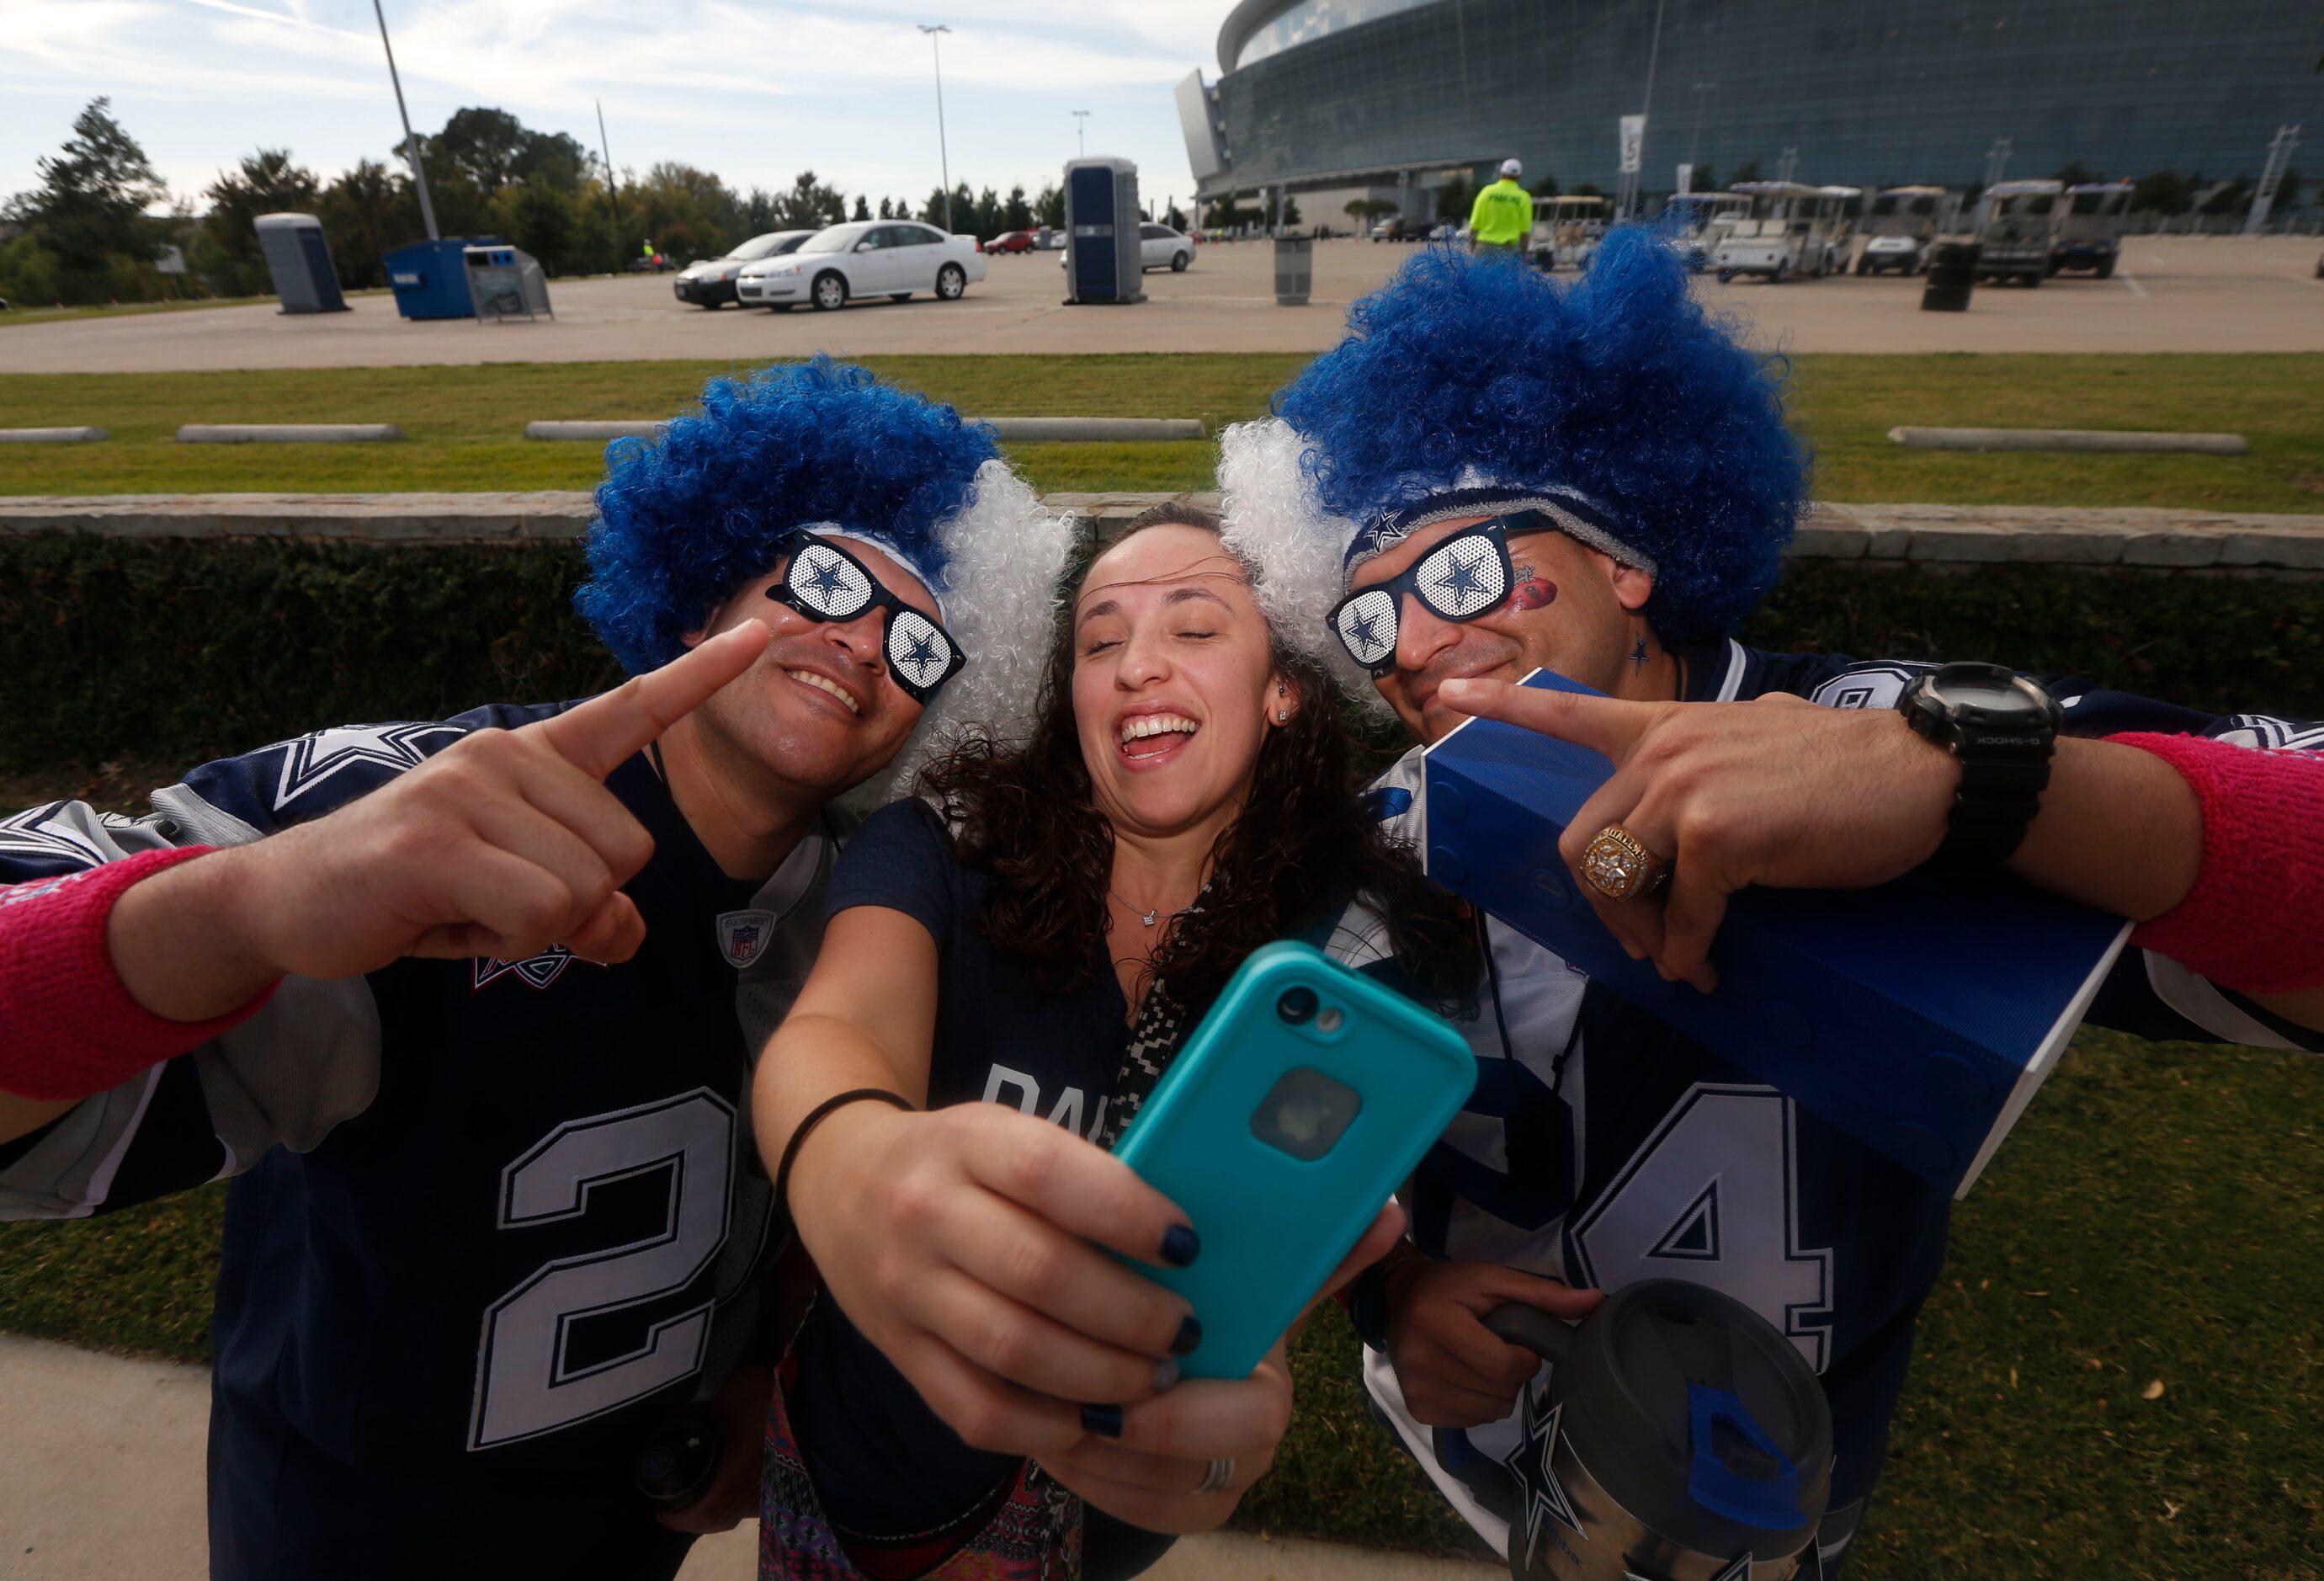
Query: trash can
point(1295, 270)
point(1953, 275)
point(505, 282)
point(430, 278)
point(299, 259)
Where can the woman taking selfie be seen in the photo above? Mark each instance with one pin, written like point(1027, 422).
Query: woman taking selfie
point(999, 985)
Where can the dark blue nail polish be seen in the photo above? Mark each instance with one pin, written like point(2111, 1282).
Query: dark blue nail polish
point(1105, 1421)
point(1180, 1246)
point(1190, 1335)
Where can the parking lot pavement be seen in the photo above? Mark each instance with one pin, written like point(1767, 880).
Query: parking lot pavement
point(101, 1477)
point(2171, 293)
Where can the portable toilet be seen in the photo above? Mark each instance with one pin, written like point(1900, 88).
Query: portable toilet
point(430, 278)
point(299, 259)
point(1103, 259)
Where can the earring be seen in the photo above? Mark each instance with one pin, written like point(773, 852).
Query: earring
point(1283, 715)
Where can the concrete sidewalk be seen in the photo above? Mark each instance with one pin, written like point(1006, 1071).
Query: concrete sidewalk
point(101, 1469)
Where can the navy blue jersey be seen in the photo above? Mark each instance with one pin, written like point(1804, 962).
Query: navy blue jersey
point(884, 1464)
point(491, 1220)
point(1601, 1147)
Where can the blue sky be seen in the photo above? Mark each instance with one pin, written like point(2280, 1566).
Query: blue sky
point(752, 89)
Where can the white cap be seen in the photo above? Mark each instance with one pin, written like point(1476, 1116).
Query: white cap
point(1510, 167)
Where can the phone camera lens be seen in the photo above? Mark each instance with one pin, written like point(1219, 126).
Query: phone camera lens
point(1297, 1007)
point(1330, 1021)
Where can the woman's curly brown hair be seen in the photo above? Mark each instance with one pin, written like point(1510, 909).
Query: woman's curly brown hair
point(1303, 846)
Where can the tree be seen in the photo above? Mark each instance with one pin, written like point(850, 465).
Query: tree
point(265, 182)
point(1176, 218)
point(863, 208)
point(1017, 214)
point(1049, 208)
point(1364, 210)
point(1587, 189)
point(366, 211)
point(91, 202)
point(2287, 190)
point(1748, 170)
point(1547, 185)
point(2230, 197)
point(2163, 193)
point(962, 208)
point(1226, 214)
point(492, 149)
point(988, 213)
point(1454, 199)
point(1290, 211)
point(1706, 178)
point(809, 205)
point(2077, 174)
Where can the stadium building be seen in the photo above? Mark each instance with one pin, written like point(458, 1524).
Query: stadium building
point(1333, 99)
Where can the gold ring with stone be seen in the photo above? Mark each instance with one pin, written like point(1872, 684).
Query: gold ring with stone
point(1619, 868)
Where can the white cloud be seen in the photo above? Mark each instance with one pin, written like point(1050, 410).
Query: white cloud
point(751, 88)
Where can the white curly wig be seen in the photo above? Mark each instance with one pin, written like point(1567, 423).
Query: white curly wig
point(1276, 526)
point(1005, 557)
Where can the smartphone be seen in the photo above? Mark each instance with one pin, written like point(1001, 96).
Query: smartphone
point(1295, 1109)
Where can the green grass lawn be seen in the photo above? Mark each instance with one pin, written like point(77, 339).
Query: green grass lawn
point(466, 424)
point(2158, 1218)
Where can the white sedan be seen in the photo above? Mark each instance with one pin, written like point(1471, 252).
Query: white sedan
point(891, 258)
point(1160, 247)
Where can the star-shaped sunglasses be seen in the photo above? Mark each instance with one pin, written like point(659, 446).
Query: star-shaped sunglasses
point(1466, 576)
point(824, 582)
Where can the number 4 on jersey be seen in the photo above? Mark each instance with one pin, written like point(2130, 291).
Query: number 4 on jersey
point(1712, 1197)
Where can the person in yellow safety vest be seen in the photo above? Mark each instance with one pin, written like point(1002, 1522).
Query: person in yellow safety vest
point(1502, 216)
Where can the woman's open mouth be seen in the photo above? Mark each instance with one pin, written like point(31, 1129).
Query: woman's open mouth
point(1148, 738)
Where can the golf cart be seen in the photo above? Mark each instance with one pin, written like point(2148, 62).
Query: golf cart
point(1901, 224)
point(1699, 220)
point(2021, 226)
point(1791, 228)
point(2089, 228)
point(1566, 231)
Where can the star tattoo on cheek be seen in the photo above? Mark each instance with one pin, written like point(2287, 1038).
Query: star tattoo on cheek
point(1532, 591)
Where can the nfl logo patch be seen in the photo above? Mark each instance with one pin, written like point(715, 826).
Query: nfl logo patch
point(741, 935)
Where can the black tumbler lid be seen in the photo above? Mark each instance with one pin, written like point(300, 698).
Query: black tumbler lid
point(675, 1466)
point(1697, 1416)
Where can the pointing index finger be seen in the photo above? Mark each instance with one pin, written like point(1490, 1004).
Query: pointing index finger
point(1609, 726)
point(601, 735)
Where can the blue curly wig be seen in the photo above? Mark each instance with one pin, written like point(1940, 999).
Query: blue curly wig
point(685, 520)
point(1482, 371)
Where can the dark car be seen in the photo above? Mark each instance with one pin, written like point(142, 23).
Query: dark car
point(711, 283)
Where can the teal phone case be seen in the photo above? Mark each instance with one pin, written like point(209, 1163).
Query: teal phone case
point(1274, 1226)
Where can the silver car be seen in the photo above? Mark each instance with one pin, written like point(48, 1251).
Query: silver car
point(714, 283)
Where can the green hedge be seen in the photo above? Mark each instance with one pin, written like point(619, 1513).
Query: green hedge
point(169, 652)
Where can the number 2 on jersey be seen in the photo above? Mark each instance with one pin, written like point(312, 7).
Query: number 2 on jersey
point(525, 1384)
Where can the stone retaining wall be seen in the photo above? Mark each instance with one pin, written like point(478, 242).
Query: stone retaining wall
point(1933, 535)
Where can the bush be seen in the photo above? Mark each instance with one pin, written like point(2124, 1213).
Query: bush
point(179, 650)
point(28, 273)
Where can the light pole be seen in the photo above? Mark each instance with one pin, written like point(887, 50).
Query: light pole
point(1694, 144)
point(943, 157)
point(1081, 133)
point(411, 143)
point(1633, 182)
point(612, 197)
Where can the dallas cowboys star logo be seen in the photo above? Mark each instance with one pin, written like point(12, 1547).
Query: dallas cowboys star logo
point(1462, 583)
point(922, 656)
point(828, 580)
point(313, 759)
point(1533, 1461)
point(47, 833)
point(1365, 632)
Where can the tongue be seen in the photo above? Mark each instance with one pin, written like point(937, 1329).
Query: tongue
point(1155, 744)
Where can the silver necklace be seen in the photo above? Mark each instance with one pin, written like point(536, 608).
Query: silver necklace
point(1146, 916)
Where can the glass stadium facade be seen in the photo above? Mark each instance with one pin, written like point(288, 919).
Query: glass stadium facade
point(1320, 94)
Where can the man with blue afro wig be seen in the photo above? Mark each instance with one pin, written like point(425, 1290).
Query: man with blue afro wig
point(1496, 471)
point(442, 980)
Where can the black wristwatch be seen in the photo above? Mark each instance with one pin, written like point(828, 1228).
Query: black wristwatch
point(2002, 729)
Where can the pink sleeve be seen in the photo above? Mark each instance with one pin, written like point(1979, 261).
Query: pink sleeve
point(2254, 920)
point(69, 1028)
